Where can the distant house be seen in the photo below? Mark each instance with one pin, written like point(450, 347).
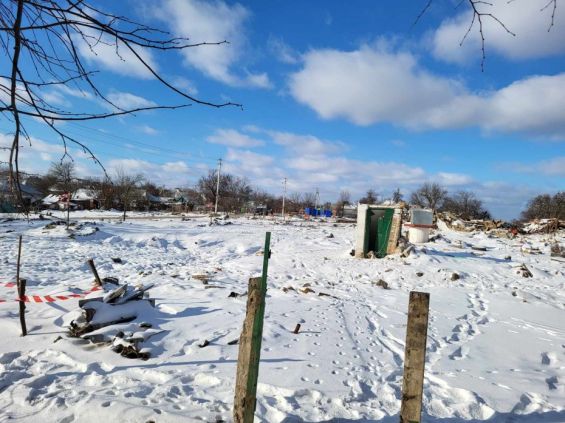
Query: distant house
point(81, 199)
point(57, 202)
point(86, 199)
point(350, 211)
point(8, 202)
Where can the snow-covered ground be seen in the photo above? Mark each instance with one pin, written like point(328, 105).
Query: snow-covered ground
point(496, 345)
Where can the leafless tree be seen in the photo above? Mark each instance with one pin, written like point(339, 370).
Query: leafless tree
point(430, 195)
point(466, 205)
point(309, 199)
point(63, 173)
point(295, 202)
point(397, 196)
point(125, 187)
point(370, 198)
point(545, 206)
point(480, 13)
point(41, 41)
point(234, 191)
point(106, 193)
point(343, 200)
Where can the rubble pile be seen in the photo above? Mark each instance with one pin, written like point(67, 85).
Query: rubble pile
point(111, 319)
point(543, 226)
point(499, 227)
point(454, 222)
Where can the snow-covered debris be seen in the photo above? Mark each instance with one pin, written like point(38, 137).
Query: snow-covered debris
point(495, 338)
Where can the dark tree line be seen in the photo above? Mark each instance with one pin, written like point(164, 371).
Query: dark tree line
point(234, 192)
point(545, 206)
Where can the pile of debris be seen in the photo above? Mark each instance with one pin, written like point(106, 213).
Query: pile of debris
point(456, 223)
point(110, 319)
point(543, 226)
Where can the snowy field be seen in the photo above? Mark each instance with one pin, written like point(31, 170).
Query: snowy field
point(496, 345)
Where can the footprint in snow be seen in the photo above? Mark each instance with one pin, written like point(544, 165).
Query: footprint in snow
point(460, 353)
point(548, 358)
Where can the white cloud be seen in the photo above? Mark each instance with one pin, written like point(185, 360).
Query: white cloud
point(185, 84)
point(127, 101)
point(532, 105)
point(305, 144)
point(259, 80)
point(322, 166)
point(121, 60)
point(250, 158)
point(453, 179)
point(37, 155)
point(374, 85)
point(149, 130)
point(282, 51)
point(233, 138)
point(261, 170)
point(172, 174)
point(75, 92)
point(175, 167)
point(213, 21)
point(551, 167)
point(524, 18)
point(368, 85)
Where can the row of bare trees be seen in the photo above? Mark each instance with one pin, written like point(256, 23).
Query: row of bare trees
point(429, 195)
point(546, 206)
point(125, 191)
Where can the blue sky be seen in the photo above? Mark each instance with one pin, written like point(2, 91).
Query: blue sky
point(336, 96)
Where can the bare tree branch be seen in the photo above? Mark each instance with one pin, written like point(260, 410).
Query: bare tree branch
point(478, 16)
point(44, 41)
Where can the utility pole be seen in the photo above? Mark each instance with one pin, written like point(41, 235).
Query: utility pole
point(218, 186)
point(317, 200)
point(284, 198)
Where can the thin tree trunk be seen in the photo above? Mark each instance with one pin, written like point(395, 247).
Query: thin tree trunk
point(15, 148)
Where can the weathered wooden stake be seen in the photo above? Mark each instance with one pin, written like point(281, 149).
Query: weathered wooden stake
point(18, 261)
point(95, 272)
point(250, 345)
point(414, 357)
point(21, 284)
point(297, 328)
point(21, 287)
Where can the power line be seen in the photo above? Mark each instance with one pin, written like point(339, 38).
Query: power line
point(111, 135)
point(161, 150)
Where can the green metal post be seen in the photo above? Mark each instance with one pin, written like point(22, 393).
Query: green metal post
point(249, 355)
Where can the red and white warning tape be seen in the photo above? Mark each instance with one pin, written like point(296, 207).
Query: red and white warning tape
point(47, 298)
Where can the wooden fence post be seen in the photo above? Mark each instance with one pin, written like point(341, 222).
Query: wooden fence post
point(21, 287)
point(94, 272)
point(18, 261)
point(414, 357)
point(250, 345)
point(21, 284)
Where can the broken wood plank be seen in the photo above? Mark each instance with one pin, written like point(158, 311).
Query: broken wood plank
point(414, 357)
point(94, 272)
point(115, 293)
point(100, 299)
point(406, 252)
